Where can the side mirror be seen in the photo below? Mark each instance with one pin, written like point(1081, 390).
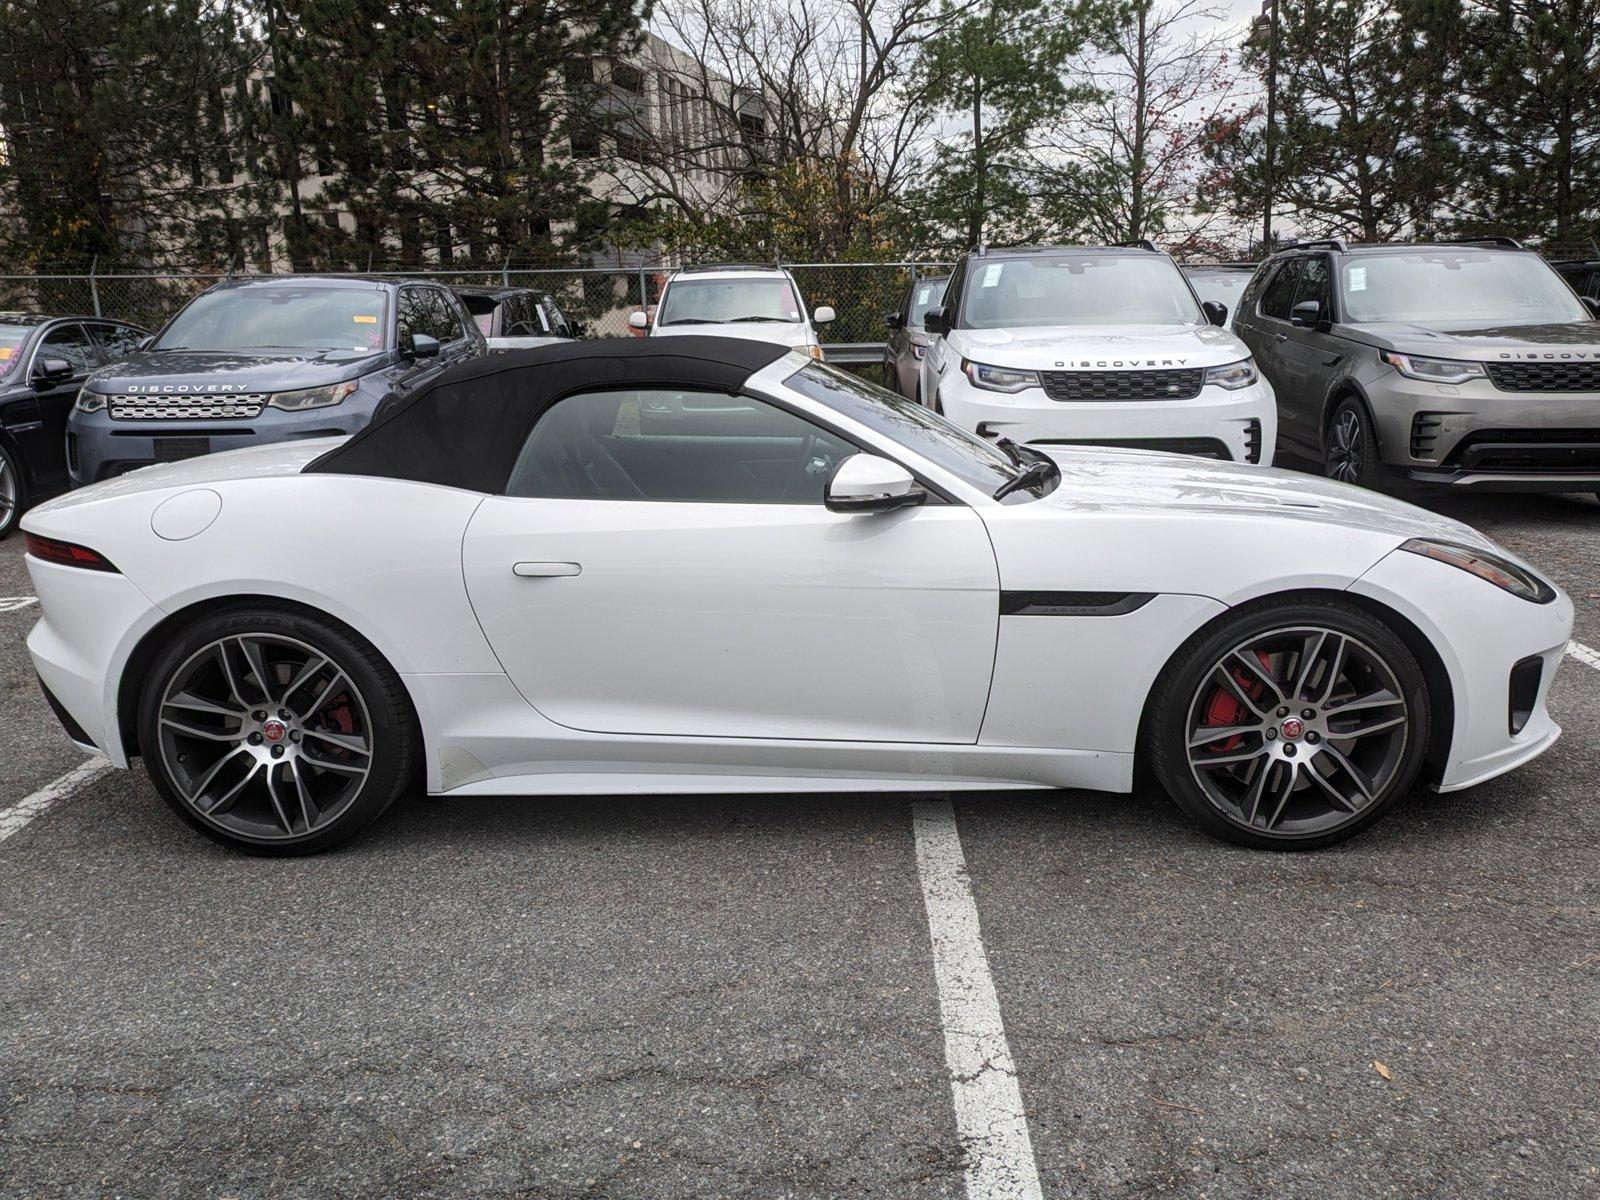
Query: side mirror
point(1306, 314)
point(936, 321)
point(823, 315)
point(893, 321)
point(638, 320)
point(423, 346)
point(865, 483)
point(144, 343)
point(576, 328)
point(1217, 312)
point(52, 370)
point(1592, 305)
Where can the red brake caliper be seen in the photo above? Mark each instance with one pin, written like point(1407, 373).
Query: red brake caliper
point(1223, 708)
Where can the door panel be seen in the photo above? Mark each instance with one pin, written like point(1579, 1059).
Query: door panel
point(740, 620)
point(1301, 353)
point(72, 344)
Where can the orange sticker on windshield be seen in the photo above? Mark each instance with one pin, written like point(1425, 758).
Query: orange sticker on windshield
point(365, 319)
point(6, 352)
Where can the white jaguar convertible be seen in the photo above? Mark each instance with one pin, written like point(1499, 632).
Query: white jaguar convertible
point(706, 565)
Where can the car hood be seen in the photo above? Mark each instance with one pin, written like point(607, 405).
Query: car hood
point(256, 462)
point(1099, 478)
point(752, 331)
point(1576, 341)
point(1100, 347)
point(210, 372)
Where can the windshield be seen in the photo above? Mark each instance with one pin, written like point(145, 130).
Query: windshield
point(1077, 289)
point(940, 441)
point(11, 339)
point(279, 318)
point(1465, 288)
point(721, 301)
point(925, 295)
point(1222, 286)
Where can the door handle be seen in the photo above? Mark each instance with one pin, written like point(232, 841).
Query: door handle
point(546, 570)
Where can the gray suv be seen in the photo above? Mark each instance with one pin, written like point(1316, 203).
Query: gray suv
point(1465, 364)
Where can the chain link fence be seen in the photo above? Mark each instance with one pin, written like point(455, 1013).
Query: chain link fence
point(601, 297)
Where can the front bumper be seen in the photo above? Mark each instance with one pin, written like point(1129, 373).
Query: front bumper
point(1475, 436)
point(99, 447)
point(1240, 426)
point(1481, 633)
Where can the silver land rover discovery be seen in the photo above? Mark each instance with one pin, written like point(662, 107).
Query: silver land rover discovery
point(1464, 364)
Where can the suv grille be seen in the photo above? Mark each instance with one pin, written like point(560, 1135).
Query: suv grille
point(1559, 451)
point(188, 408)
point(1183, 384)
point(1545, 376)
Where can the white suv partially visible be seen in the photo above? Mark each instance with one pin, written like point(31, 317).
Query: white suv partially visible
point(1097, 345)
point(756, 302)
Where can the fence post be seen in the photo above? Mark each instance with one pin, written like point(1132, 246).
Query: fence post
point(505, 272)
point(644, 291)
point(94, 285)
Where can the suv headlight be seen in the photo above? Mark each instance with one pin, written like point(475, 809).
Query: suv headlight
point(1234, 375)
point(90, 402)
point(1501, 572)
point(999, 379)
point(1432, 370)
point(320, 397)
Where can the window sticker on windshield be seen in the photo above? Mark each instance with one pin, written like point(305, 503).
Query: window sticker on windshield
point(6, 352)
point(924, 295)
point(1358, 279)
point(365, 319)
point(991, 275)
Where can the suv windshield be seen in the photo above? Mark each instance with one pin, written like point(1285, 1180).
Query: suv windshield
point(1465, 288)
point(279, 318)
point(11, 339)
point(963, 454)
point(924, 296)
point(1076, 289)
point(1222, 286)
point(721, 301)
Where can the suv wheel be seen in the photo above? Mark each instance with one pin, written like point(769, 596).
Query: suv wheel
point(1350, 446)
point(1290, 725)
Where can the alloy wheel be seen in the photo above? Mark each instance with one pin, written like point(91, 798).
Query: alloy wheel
point(8, 493)
point(1347, 449)
point(265, 736)
point(1297, 731)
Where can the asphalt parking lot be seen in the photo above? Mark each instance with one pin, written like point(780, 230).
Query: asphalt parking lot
point(700, 997)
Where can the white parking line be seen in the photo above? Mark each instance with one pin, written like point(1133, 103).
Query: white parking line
point(13, 603)
point(990, 1120)
point(16, 818)
point(1588, 657)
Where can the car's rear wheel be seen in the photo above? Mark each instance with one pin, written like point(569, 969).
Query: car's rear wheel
point(275, 732)
point(10, 493)
point(1291, 724)
point(1350, 446)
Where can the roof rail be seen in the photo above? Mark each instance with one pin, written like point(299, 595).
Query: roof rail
point(1319, 244)
point(736, 266)
point(1507, 242)
point(1138, 244)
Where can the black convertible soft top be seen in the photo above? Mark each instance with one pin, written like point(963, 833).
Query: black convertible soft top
point(466, 428)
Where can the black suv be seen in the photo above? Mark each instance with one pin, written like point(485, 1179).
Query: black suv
point(265, 360)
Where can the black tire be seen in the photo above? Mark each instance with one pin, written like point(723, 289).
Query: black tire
point(373, 708)
point(11, 491)
point(1350, 451)
point(1214, 780)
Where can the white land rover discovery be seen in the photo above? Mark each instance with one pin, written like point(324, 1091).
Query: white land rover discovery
point(1099, 345)
point(743, 301)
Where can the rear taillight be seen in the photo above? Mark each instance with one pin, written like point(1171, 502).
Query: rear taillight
point(65, 554)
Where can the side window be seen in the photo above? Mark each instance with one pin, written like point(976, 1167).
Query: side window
point(1316, 284)
point(449, 320)
point(661, 444)
point(72, 343)
point(411, 313)
point(116, 341)
point(519, 320)
point(1278, 299)
point(952, 290)
point(558, 319)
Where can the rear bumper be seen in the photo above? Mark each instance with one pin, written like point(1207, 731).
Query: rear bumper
point(91, 622)
point(1240, 426)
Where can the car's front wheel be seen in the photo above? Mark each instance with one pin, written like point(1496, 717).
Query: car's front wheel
point(10, 493)
point(275, 732)
point(1350, 446)
point(1290, 724)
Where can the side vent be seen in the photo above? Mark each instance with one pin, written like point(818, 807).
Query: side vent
point(1252, 441)
point(1425, 434)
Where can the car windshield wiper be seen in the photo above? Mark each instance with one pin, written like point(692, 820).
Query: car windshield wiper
point(773, 320)
point(1012, 450)
point(691, 321)
point(1032, 474)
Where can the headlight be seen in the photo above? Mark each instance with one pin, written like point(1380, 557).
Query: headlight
point(90, 402)
point(814, 350)
point(1432, 370)
point(999, 379)
point(321, 397)
point(1234, 375)
point(918, 351)
point(1501, 572)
